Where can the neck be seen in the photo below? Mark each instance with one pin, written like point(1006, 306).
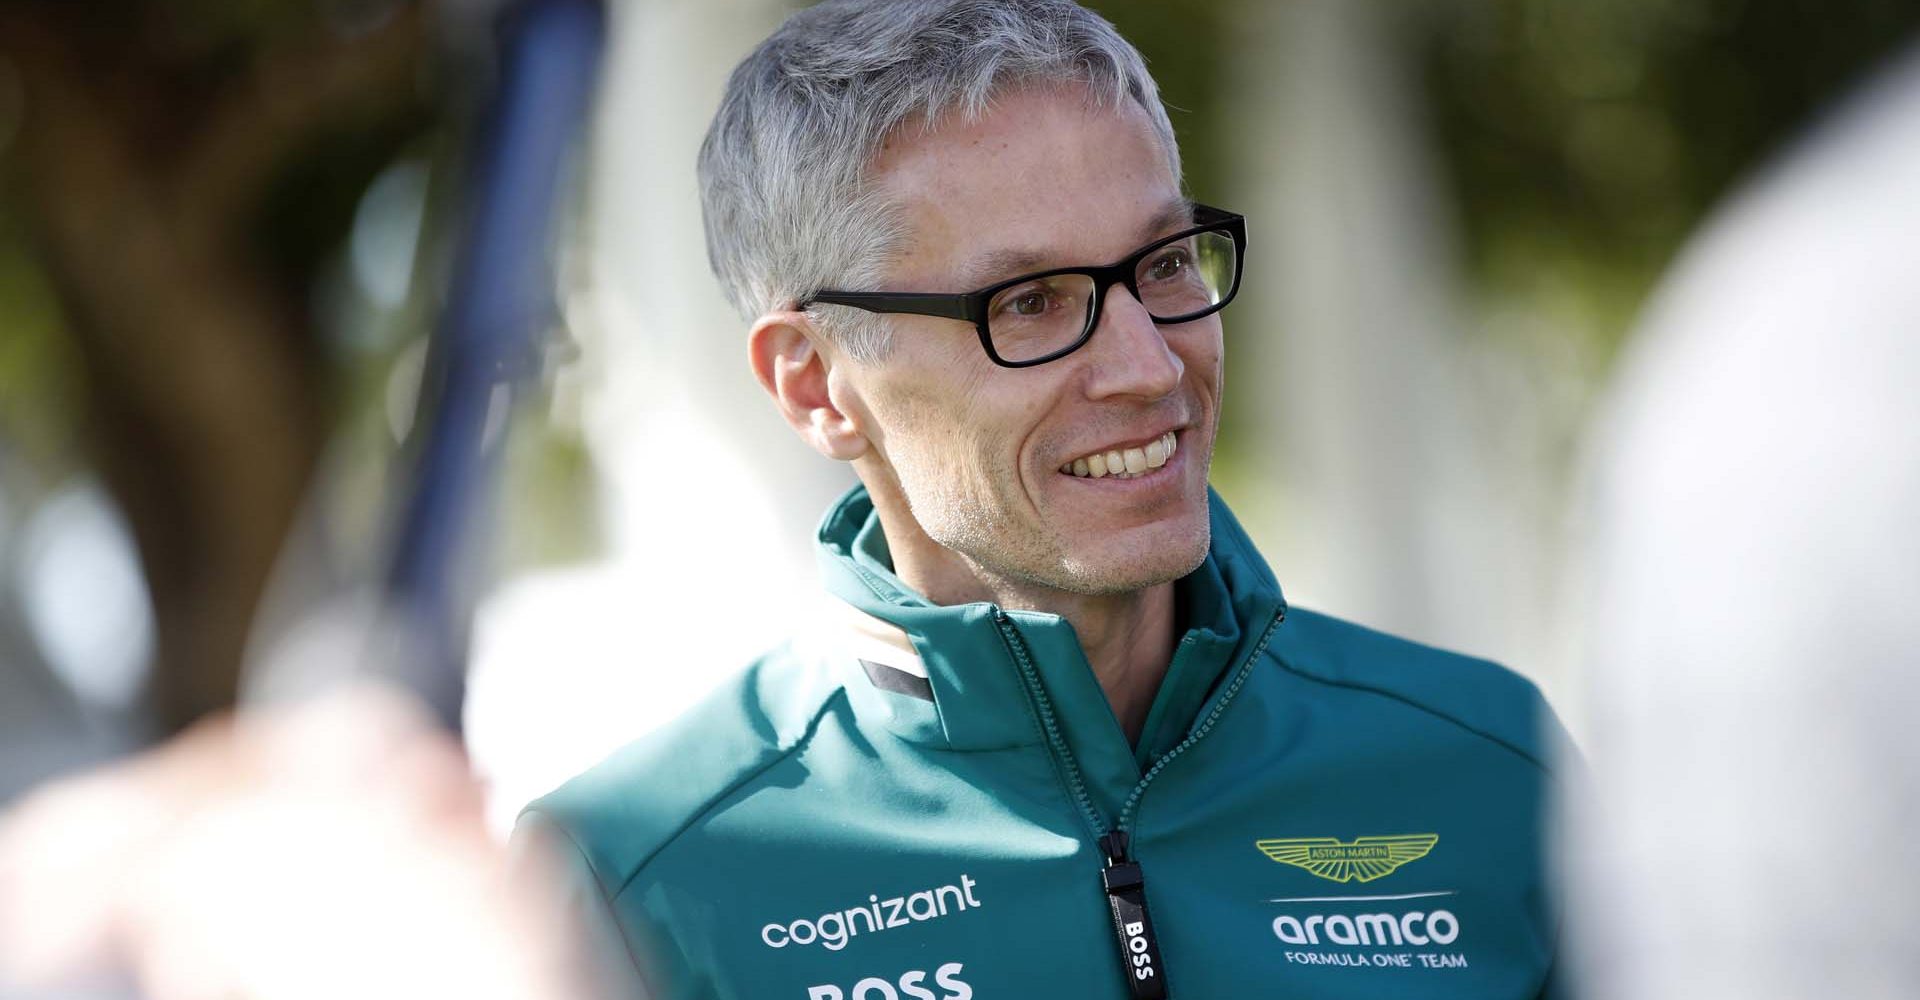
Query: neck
point(1127, 637)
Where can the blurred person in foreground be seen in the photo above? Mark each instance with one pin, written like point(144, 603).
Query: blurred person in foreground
point(330, 849)
point(1058, 733)
point(1756, 575)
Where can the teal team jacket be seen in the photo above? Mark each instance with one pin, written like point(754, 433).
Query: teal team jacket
point(921, 803)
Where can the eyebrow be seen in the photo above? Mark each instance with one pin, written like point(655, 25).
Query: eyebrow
point(985, 268)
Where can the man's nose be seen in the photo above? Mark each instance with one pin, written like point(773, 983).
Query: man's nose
point(1131, 357)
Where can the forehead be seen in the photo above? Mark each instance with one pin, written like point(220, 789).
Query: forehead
point(1042, 178)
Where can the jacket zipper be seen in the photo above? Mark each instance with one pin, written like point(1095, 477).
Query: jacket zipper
point(1121, 877)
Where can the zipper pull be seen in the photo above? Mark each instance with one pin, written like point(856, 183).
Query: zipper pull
point(1127, 898)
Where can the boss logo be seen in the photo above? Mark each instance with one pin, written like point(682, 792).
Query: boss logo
point(911, 985)
point(1137, 951)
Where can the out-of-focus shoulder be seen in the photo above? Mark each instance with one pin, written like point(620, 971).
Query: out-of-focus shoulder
point(622, 811)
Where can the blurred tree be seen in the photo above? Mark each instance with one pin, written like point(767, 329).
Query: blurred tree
point(1584, 139)
point(171, 173)
point(1181, 43)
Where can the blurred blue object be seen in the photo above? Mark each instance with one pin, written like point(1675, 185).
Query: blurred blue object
point(488, 344)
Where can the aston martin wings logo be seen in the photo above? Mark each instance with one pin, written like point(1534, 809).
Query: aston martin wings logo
point(1363, 858)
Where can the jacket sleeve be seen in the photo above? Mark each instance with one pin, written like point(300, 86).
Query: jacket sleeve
point(546, 862)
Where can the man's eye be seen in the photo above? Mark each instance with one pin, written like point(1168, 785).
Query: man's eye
point(1167, 266)
point(1033, 300)
point(1043, 301)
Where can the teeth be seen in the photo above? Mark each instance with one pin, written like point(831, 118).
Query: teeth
point(1125, 463)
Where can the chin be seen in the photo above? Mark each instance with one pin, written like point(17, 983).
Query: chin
point(1123, 566)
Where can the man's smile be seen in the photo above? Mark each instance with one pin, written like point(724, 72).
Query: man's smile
point(1125, 460)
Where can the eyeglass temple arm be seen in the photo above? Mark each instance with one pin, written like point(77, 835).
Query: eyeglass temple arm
point(1207, 215)
point(917, 303)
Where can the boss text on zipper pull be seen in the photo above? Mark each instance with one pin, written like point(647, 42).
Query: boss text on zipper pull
point(1127, 898)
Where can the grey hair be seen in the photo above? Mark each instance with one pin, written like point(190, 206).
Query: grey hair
point(783, 167)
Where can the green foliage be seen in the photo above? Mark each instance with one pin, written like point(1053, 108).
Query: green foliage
point(39, 376)
point(1181, 43)
point(550, 515)
point(1584, 139)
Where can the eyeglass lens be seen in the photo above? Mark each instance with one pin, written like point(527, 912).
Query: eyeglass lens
point(1179, 281)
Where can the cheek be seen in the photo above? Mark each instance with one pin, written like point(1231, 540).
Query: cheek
point(927, 428)
point(1202, 352)
point(963, 434)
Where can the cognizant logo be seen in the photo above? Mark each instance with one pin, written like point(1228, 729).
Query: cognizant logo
point(1375, 929)
point(833, 930)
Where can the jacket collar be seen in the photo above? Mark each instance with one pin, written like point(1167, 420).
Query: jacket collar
point(947, 675)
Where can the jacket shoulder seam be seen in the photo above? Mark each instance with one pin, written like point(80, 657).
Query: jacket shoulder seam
point(713, 801)
point(1523, 753)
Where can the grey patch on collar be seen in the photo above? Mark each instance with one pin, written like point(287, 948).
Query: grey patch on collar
point(898, 681)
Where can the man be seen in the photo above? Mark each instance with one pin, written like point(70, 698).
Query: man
point(1064, 737)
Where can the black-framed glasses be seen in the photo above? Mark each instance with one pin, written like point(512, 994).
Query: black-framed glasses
point(1040, 317)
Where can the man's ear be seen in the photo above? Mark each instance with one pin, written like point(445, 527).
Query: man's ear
point(791, 363)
